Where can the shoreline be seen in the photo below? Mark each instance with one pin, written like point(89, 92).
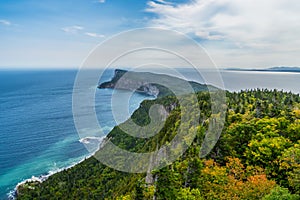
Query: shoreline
point(12, 195)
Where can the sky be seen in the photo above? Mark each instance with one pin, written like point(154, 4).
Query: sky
point(235, 33)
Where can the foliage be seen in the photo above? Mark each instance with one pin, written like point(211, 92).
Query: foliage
point(290, 166)
point(189, 194)
point(233, 181)
point(279, 193)
point(257, 156)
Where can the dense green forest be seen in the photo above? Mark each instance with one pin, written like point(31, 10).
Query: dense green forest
point(256, 157)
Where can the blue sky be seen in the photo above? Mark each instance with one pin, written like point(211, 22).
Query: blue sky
point(50, 32)
point(56, 33)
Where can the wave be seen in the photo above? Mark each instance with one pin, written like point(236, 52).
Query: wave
point(88, 140)
point(13, 193)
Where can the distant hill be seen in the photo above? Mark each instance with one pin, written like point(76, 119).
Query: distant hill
point(147, 83)
point(285, 69)
point(272, 69)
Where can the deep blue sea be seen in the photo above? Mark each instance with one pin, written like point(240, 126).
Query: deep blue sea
point(37, 132)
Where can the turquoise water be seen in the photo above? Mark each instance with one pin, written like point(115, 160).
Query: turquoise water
point(37, 133)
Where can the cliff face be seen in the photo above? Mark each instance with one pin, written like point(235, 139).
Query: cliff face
point(125, 80)
point(146, 83)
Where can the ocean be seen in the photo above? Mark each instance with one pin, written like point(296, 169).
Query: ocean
point(37, 132)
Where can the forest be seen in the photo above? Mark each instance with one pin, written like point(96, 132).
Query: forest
point(256, 157)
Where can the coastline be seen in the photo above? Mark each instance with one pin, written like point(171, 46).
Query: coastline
point(44, 177)
point(12, 195)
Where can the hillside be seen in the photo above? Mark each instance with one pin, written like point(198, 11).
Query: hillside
point(148, 83)
point(257, 156)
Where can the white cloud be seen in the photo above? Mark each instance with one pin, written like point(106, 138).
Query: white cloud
point(207, 35)
point(79, 30)
point(163, 2)
point(257, 27)
point(5, 22)
point(72, 29)
point(101, 1)
point(95, 35)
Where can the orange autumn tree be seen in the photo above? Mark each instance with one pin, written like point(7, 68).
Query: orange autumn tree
point(234, 181)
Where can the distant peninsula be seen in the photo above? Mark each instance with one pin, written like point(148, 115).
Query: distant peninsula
point(272, 69)
point(146, 83)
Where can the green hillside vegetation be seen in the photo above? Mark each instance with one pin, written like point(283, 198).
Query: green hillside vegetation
point(256, 157)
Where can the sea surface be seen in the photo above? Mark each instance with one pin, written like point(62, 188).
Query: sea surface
point(37, 132)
